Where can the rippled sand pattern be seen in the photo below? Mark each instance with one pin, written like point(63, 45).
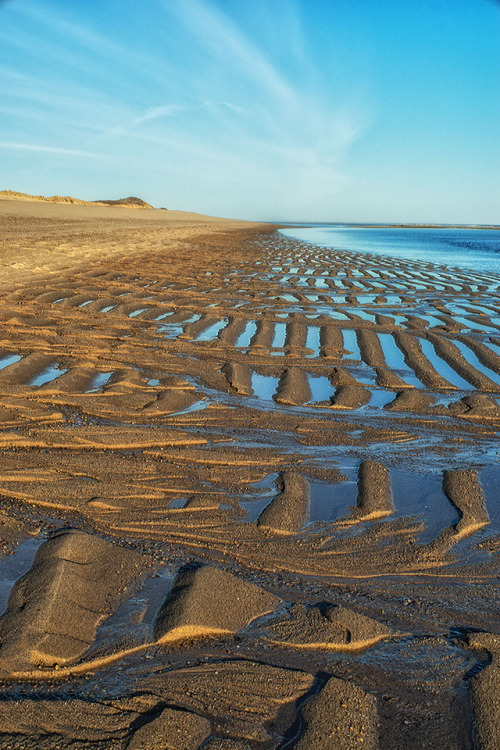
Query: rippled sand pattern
point(249, 498)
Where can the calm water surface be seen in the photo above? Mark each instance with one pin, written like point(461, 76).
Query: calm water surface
point(467, 249)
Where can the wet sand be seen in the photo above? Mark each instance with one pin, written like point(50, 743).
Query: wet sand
point(248, 486)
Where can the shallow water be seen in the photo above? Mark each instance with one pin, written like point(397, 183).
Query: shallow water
point(14, 566)
point(135, 313)
point(321, 388)
point(469, 355)
point(279, 336)
point(331, 500)
point(47, 376)
point(264, 386)
point(247, 335)
point(443, 368)
point(395, 360)
point(212, 331)
point(475, 249)
point(351, 344)
point(163, 316)
point(312, 341)
point(99, 381)
point(9, 360)
point(380, 398)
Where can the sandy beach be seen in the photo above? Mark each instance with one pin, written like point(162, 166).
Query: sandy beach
point(248, 487)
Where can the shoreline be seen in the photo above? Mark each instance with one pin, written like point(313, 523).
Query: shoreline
point(348, 225)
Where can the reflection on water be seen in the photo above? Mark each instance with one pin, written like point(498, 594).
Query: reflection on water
point(264, 386)
point(47, 376)
point(443, 368)
point(9, 360)
point(16, 565)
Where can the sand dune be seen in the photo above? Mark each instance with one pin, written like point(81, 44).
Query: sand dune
point(130, 202)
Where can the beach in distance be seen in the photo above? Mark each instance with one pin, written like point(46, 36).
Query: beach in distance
point(249, 482)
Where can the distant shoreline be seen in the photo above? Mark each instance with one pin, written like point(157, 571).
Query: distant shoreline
point(340, 225)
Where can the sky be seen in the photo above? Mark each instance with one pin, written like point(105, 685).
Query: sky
point(280, 110)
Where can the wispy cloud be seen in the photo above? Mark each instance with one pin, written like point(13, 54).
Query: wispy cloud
point(81, 46)
point(12, 145)
point(215, 30)
point(207, 111)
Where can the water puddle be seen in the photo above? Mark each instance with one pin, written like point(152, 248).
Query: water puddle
point(380, 398)
point(366, 299)
point(197, 406)
point(266, 491)
point(171, 331)
point(337, 299)
point(212, 331)
point(88, 302)
point(395, 360)
point(398, 285)
point(482, 310)
point(46, 376)
point(177, 503)
point(431, 319)
point(99, 381)
point(330, 501)
point(107, 309)
point(321, 284)
point(279, 336)
point(334, 314)
point(61, 299)
point(164, 315)
point(490, 481)
point(247, 335)
point(264, 386)
point(472, 359)
point(321, 388)
point(494, 347)
point(472, 325)
point(443, 368)
point(10, 359)
point(135, 313)
point(365, 316)
point(312, 340)
point(399, 320)
point(351, 344)
point(192, 319)
point(14, 566)
point(366, 375)
point(422, 495)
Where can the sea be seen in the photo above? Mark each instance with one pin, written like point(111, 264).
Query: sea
point(463, 248)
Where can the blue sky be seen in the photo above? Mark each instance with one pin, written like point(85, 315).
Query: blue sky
point(339, 110)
